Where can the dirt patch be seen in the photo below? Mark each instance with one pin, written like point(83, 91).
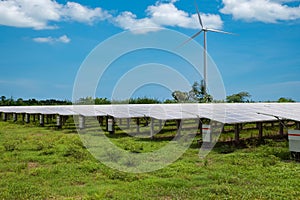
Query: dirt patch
point(32, 165)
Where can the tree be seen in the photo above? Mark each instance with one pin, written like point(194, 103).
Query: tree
point(180, 96)
point(3, 100)
point(170, 101)
point(196, 94)
point(102, 101)
point(284, 100)
point(207, 98)
point(19, 102)
point(238, 98)
point(33, 102)
point(144, 100)
point(86, 101)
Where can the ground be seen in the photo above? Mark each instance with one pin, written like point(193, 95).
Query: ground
point(46, 163)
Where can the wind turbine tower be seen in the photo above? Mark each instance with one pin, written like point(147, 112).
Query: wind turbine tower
point(204, 30)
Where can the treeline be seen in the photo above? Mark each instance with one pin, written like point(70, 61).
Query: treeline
point(82, 101)
point(241, 97)
point(101, 101)
point(195, 95)
point(31, 102)
point(244, 97)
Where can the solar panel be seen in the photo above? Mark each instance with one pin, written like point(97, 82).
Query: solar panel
point(230, 113)
point(87, 110)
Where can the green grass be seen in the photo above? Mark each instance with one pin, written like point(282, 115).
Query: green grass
point(45, 163)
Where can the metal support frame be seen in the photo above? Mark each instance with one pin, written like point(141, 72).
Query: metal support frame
point(298, 125)
point(42, 119)
point(241, 126)
point(81, 122)
point(111, 125)
point(100, 120)
point(179, 126)
point(200, 126)
point(15, 117)
point(27, 118)
point(23, 117)
point(138, 125)
point(106, 123)
point(236, 133)
point(4, 117)
point(152, 128)
point(260, 129)
point(281, 123)
point(128, 123)
point(223, 128)
point(281, 126)
point(160, 124)
point(59, 121)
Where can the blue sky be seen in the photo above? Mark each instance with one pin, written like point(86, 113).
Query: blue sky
point(44, 42)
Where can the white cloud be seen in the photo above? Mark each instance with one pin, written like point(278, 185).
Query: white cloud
point(39, 14)
point(268, 11)
point(166, 14)
point(51, 40)
point(77, 12)
point(28, 14)
point(43, 39)
point(210, 20)
point(43, 14)
point(64, 39)
point(129, 21)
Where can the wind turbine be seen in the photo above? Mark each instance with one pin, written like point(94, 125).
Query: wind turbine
point(204, 30)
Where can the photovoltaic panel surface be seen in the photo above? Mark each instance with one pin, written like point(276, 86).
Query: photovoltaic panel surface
point(223, 112)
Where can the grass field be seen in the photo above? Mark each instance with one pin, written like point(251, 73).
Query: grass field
point(45, 163)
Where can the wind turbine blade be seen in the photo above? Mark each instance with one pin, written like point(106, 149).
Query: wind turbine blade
point(219, 31)
point(195, 35)
point(198, 13)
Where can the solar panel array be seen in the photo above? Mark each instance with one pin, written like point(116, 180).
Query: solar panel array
point(229, 113)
